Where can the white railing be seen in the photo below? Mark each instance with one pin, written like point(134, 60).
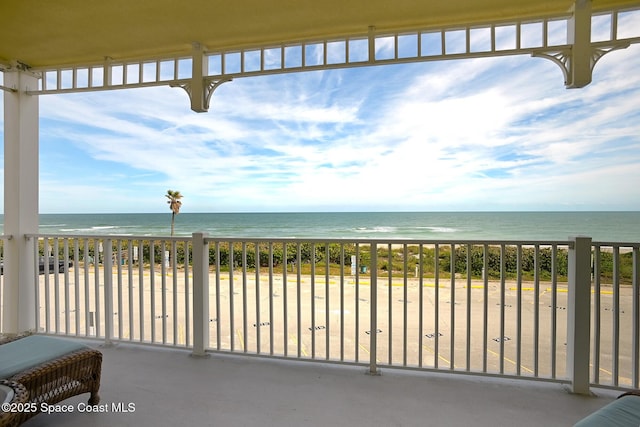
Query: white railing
point(615, 342)
point(532, 36)
point(506, 308)
point(121, 288)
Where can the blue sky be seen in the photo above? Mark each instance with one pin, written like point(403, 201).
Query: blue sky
point(470, 135)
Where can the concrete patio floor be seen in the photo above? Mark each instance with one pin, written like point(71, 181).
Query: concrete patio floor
point(167, 387)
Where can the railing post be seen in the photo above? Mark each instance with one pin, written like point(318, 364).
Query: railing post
point(200, 295)
point(635, 309)
point(107, 264)
point(373, 310)
point(579, 314)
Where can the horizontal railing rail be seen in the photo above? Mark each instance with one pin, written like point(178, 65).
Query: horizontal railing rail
point(563, 311)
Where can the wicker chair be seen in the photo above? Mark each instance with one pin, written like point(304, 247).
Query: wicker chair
point(62, 376)
point(20, 396)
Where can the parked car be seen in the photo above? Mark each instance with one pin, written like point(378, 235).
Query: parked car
point(62, 266)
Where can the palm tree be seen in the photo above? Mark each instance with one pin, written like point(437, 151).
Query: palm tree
point(174, 204)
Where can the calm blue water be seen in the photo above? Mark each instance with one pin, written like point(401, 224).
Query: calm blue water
point(602, 226)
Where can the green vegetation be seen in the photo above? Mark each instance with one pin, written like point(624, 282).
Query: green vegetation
point(527, 259)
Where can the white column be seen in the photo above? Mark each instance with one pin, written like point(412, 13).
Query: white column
point(20, 200)
point(579, 36)
point(199, 70)
point(579, 315)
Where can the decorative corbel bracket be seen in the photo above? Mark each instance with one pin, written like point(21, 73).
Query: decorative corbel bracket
point(200, 87)
point(564, 59)
point(579, 56)
point(209, 86)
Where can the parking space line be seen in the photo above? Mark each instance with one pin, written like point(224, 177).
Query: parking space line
point(510, 361)
point(240, 337)
point(367, 350)
point(295, 342)
point(444, 359)
point(611, 373)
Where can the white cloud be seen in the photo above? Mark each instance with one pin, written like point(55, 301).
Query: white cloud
point(499, 133)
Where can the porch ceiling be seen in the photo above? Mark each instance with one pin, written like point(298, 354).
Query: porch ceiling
point(75, 32)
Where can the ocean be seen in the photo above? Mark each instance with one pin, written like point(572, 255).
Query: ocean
point(601, 226)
